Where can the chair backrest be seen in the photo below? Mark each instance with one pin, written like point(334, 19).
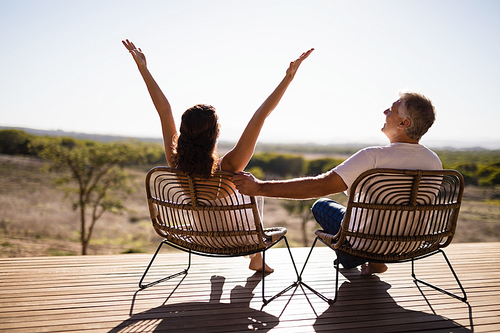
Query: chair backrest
point(395, 215)
point(203, 215)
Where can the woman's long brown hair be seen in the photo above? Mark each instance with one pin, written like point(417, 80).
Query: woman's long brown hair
point(194, 152)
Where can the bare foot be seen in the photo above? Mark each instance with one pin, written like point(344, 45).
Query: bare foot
point(256, 264)
point(373, 267)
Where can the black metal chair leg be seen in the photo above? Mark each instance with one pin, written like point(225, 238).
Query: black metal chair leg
point(317, 293)
point(307, 259)
point(144, 286)
point(462, 298)
point(294, 284)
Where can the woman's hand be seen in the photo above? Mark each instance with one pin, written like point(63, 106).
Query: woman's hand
point(294, 65)
point(159, 100)
point(237, 158)
point(139, 57)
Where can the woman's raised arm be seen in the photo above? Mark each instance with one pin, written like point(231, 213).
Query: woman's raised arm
point(159, 100)
point(237, 158)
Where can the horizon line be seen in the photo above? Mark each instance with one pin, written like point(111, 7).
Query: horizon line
point(435, 144)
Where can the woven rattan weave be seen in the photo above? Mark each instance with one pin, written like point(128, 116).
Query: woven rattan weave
point(207, 217)
point(398, 215)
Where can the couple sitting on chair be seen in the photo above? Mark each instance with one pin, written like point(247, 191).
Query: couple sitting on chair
point(194, 151)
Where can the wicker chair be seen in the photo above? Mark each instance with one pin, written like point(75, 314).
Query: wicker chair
point(397, 216)
point(207, 217)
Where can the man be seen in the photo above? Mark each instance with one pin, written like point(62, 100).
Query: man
point(406, 121)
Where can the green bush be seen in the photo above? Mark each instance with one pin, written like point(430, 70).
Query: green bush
point(15, 142)
point(489, 175)
point(278, 165)
point(320, 165)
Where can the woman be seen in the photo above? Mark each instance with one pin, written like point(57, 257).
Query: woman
point(194, 150)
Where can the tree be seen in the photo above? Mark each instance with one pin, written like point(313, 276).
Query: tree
point(92, 173)
point(302, 208)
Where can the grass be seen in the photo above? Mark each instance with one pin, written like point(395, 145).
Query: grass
point(58, 252)
point(37, 220)
point(493, 202)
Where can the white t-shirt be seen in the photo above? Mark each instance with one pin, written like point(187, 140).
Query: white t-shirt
point(395, 156)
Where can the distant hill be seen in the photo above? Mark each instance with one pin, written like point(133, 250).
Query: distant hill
point(293, 148)
point(262, 147)
point(83, 136)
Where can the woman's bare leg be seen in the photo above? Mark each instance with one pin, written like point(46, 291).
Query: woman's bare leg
point(256, 264)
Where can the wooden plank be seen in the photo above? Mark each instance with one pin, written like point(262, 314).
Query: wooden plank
point(100, 294)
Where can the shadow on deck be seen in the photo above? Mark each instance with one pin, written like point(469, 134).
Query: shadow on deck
point(100, 294)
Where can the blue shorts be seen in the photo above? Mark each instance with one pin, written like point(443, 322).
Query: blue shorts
point(329, 215)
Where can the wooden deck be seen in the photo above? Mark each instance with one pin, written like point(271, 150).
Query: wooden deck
point(100, 294)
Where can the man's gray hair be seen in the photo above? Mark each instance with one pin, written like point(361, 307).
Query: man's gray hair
point(419, 110)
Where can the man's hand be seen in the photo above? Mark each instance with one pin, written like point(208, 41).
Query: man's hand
point(246, 183)
point(139, 57)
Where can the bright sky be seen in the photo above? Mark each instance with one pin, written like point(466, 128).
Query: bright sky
point(64, 68)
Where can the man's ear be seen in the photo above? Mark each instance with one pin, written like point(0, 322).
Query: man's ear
point(404, 123)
